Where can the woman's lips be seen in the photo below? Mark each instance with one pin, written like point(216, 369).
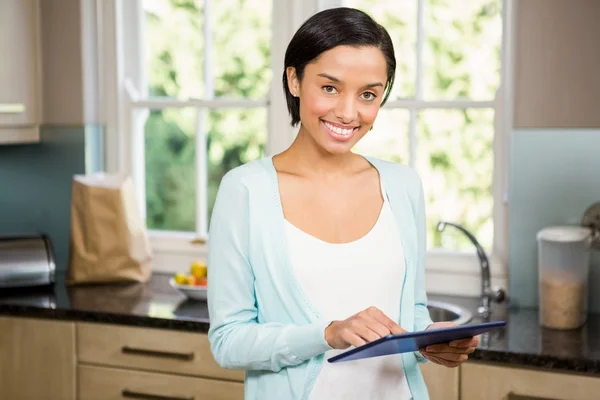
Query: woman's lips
point(338, 133)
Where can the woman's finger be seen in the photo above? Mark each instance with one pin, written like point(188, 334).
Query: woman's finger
point(452, 357)
point(359, 328)
point(441, 361)
point(375, 325)
point(468, 342)
point(353, 339)
point(391, 325)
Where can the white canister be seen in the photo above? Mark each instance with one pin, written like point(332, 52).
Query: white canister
point(563, 269)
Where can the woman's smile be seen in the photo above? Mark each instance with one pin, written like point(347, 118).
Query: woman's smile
point(339, 132)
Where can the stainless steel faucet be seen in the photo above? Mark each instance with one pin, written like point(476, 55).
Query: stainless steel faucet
point(487, 293)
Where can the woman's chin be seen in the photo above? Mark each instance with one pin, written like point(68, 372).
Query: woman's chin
point(337, 148)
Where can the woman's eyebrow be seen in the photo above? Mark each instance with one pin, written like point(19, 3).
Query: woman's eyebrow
point(334, 79)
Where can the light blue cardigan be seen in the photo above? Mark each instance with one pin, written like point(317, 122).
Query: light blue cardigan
point(260, 319)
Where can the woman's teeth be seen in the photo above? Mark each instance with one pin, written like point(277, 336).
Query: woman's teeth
point(339, 130)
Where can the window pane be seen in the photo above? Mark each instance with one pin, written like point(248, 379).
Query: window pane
point(455, 160)
point(174, 47)
point(234, 137)
point(400, 20)
point(389, 138)
point(241, 47)
point(170, 170)
point(462, 49)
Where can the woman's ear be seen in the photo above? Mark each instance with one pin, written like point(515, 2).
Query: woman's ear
point(292, 80)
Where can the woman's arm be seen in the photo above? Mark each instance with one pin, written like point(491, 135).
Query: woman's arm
point(237, 340)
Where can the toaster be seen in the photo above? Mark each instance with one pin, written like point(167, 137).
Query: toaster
point(26, 260)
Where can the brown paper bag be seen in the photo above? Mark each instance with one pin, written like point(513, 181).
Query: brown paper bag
point(109, 240)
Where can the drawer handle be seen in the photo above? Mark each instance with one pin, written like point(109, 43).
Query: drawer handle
point(147, 396)
point(515, 396)
point(157, 353)
point(12, 108)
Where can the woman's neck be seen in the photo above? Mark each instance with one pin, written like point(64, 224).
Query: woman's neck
point(306, 157)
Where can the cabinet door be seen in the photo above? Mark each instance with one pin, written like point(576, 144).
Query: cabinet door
point(103, 383)
point(442, 382)
point(19, 70)
point(37, 359)
point(490, 382)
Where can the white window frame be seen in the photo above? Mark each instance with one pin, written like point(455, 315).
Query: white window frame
point(121, 90)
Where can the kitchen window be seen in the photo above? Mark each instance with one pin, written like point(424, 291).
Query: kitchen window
point(446, 118)
point(199, 92)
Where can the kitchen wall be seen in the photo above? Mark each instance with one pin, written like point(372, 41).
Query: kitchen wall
point(554, 147)
point(35, 179)
point(35, 182)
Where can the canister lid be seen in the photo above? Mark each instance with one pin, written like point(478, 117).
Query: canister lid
point(564, 233)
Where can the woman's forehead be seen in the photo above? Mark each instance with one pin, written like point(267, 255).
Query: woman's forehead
point(345, 62)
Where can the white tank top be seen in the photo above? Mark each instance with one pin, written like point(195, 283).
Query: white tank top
point(343, 279)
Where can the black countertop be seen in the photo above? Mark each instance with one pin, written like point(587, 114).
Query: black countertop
point(157, 305)
point(154, 304)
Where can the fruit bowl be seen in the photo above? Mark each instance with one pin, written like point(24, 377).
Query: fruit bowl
point(193, 284)
point(194, 292)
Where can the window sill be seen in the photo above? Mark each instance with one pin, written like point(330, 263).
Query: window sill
point(174, 251)
point(446, 273)
point(459, 274)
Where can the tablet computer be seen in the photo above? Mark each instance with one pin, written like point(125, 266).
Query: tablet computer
point(413, 341)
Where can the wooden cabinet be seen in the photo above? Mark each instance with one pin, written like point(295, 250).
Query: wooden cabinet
point(20, 76)
point(442, 382)
point(117, 362)
point(37, 359)
point(556, 60)
point(489, 382)
point(102, 383)
point(50, 359)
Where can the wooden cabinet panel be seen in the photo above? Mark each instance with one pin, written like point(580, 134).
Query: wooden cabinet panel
point(442, 382)
point(556, 64)
point(149, 349)
point(19, 71)
point(103, 383)
point(37, 359)
point(490, 382)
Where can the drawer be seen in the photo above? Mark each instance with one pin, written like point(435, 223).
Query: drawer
point(149, 349)
point(105, 383)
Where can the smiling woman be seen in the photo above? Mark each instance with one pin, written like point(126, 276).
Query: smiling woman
point(292, 235)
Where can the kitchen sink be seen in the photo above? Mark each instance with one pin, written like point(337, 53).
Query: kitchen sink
point(440, 311)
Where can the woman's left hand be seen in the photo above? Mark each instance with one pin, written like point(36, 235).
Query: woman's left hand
point(449, 354)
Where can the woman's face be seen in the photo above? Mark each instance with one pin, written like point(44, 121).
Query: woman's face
point(340, 95)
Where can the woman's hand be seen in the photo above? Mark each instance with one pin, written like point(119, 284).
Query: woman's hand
point(450, 354)
point(364, 327)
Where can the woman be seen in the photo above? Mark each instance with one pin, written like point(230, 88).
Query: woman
point(318, 249)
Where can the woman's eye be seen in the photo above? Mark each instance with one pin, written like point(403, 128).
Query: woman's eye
point(369, 96)
point(329, 89)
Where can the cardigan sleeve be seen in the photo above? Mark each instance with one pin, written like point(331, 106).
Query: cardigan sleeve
point(422, 317)
point(236, 338)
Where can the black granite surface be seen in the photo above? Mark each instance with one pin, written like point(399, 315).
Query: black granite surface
point(154, 304)
point(523, 342)
point(157, 305)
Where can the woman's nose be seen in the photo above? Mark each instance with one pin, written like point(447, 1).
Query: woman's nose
point(346, 110)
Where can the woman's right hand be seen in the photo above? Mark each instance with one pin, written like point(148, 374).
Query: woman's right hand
point(361, 328)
